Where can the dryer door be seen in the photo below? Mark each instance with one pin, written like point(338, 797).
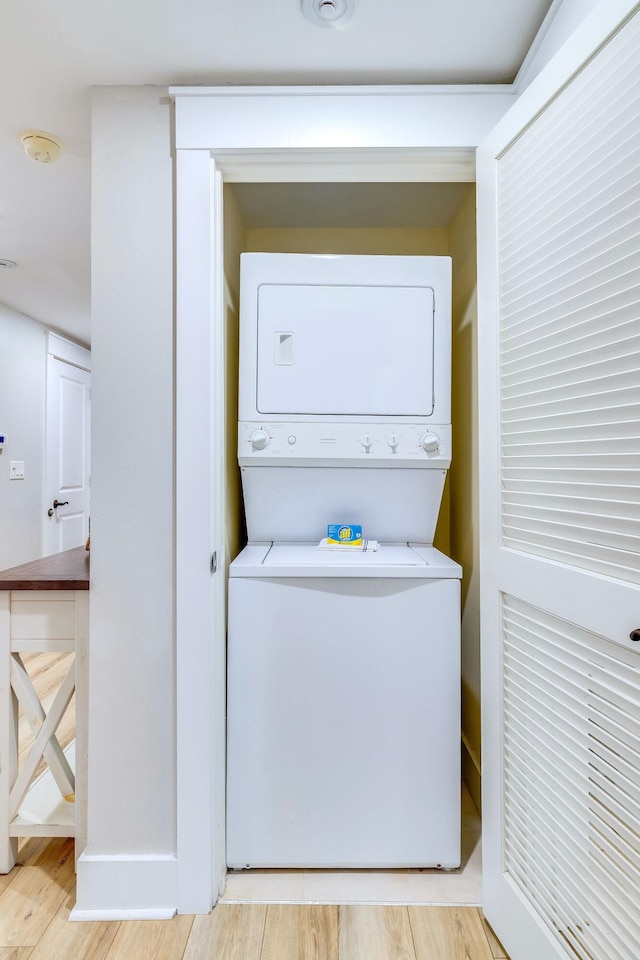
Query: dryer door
point(348, 350)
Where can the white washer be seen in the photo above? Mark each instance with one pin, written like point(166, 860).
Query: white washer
point(343, 738)
point(343, 708)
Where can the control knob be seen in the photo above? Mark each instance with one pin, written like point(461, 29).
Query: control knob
point(430, 442)
point(260, 439)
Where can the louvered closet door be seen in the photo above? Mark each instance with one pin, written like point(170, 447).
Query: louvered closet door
point(559, 348)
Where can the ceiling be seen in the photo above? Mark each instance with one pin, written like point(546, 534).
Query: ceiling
point(53, 52)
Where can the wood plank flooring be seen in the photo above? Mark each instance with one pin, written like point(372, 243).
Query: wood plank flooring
point(36, 897)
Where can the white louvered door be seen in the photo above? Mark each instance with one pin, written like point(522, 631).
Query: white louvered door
point(559, 349)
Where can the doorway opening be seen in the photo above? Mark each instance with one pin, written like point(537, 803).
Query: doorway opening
point(387, 218)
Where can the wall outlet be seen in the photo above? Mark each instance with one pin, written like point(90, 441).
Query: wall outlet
point(16, 470)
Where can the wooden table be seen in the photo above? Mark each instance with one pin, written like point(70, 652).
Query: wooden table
point(44, 607)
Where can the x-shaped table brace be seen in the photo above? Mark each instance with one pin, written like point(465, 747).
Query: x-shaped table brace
point(43, 727)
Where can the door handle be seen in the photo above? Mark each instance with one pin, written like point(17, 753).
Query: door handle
point(56, 503)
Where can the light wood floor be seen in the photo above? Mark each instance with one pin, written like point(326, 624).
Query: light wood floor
point(36, 897)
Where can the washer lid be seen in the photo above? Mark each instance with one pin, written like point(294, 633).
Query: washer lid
point(307, 554)
point(305, 560)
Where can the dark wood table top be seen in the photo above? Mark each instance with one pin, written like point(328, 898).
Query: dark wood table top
point(68, 570)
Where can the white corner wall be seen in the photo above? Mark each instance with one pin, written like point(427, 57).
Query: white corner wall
point(23, 365)
point(128, 867)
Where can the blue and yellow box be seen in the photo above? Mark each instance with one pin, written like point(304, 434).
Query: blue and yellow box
point(347, 533)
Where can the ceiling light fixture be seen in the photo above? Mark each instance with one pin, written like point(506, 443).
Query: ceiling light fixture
point(40, 145)
point(328, 13)
point(8, 264)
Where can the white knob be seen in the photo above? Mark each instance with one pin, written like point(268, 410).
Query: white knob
point(259, 440)
point(366, 442)
point(393, 442)
point(430, 442)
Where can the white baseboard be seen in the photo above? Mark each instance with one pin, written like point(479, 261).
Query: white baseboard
point(93, 915)
point(125, 888)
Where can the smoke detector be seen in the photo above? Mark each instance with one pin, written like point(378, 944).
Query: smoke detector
point(328, 13)
point(40, 145)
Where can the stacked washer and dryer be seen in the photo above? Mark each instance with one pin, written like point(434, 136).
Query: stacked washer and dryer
point(343, 738)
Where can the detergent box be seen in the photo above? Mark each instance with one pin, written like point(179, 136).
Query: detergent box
point(347, 533)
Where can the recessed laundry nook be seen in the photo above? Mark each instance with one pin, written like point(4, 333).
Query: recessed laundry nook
point(344, 727)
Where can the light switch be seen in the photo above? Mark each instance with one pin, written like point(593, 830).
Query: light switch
point(16, 470)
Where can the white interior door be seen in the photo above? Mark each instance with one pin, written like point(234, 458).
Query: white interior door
point(559, 342)
point(67, 494)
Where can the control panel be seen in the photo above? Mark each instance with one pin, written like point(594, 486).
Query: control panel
point(350, 443)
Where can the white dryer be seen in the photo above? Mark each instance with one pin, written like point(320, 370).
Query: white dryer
point(343, 668)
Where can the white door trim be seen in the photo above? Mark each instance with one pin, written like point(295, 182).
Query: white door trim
point(195, 734)
point(313, 166)
point(63, 349)
point(232, 134)
point(348, 120)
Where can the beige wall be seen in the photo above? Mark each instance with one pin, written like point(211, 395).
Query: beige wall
point(396, 241)
point(464, 473)
point(234, 245)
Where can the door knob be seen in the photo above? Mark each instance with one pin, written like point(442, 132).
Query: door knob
point(56, 503)
point(635, 634)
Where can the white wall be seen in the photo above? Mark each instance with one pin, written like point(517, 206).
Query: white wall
point(23, 364)
point(131, 792)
